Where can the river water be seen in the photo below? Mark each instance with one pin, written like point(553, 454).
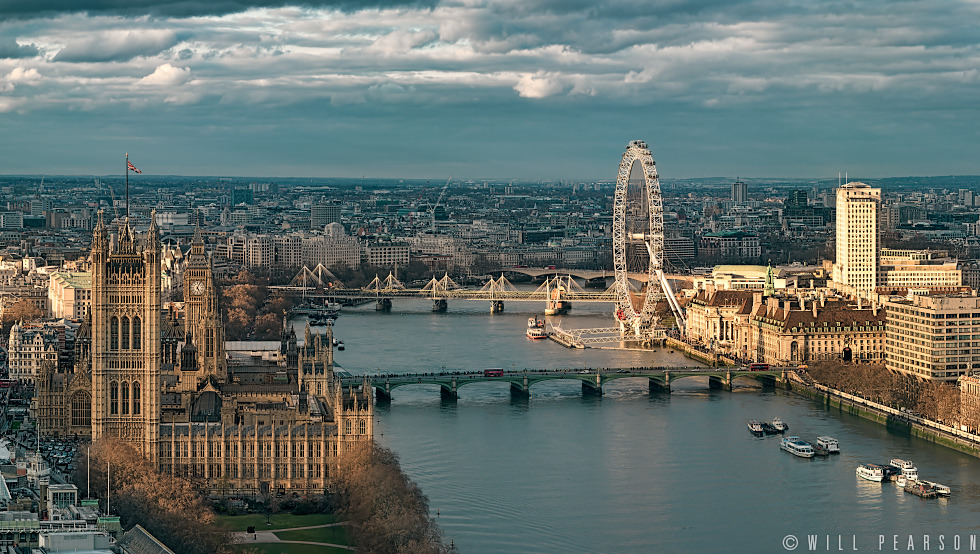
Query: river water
point(633, 472)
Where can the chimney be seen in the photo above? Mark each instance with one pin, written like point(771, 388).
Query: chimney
point(859, 302)
point(786, 306)
point(814, 310)
point(822, 299)
point(874, 309)
point(756, 300)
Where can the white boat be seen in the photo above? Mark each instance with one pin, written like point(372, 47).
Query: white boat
point(871, 472)
point(830, 443)
point(755, 427)
point(797, 447)
point(909, 471)
point(535, 329)
point(779, 425)
point(941, 490)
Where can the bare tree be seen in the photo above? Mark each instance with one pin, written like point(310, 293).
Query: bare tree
point(387, 511)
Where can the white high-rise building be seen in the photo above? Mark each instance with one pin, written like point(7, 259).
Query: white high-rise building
point(856, 269)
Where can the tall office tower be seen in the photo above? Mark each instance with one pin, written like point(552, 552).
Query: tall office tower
point(740, 192)
point(857, 238)
point(322, 213)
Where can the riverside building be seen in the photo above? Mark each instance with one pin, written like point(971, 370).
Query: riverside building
point(934, 337)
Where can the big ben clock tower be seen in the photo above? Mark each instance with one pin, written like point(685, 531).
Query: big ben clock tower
point(202, 321)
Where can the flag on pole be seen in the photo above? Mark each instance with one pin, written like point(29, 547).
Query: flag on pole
point(132, 167)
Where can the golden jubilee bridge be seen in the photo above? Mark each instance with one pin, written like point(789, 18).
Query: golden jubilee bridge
point(592, 379)
point(558, 291)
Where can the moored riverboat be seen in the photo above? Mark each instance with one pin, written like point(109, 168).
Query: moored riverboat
point(829, 443)
point(535, 329)
point(797, 447)
point(921, 488)
point(941, 490)
point(779, 426)
point(871, 472)
point(755, 427)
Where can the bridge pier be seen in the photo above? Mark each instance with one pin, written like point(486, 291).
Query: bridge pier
point(450, 392)
point(383, 395)
point(440, 305)
point(496, 306)
point(383, 305)
point(724, 383)
point(657, 386)
point(590, 388)
point(522, 390)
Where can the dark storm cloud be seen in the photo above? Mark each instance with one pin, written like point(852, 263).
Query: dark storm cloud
point(10, 49)
point(165, 8)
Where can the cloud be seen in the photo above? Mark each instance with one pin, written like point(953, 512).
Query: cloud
point(167, 75)
point(538, 85)
point(9, 48)
point(21, 75)
point(695, 63)
point(184, 8)
point(401, 41)
point(115, 45)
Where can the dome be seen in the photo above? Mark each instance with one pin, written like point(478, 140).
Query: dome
point(335, 229)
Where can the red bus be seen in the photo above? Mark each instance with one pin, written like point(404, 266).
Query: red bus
point(493, 373)
point(758, 367)
point(7, 383)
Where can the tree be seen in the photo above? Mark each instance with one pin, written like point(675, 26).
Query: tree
point(20, 310)
point(168, 506)
point(387, 511)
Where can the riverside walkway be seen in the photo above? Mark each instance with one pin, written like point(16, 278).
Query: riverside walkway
point(592, 379)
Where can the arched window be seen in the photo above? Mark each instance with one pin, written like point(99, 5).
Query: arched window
point(136, 394)
point(137, 333)
point(113, 398)
point(124, 343)
point(125, 398)
point(81, 409)
point(114, 333)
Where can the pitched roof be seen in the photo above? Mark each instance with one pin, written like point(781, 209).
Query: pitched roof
point(139, 541)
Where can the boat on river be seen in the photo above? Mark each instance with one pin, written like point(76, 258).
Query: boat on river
point(797, 447)
point(755, 427)
point(535, 329)
point(921, 488)
point(871, 472)
point(941, 490)
point(830, 443)
point(907, 469)
point(779, 425)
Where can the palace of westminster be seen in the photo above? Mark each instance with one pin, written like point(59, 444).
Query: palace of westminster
point(160, 379)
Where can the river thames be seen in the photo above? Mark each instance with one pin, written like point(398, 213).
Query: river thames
point(633, 472)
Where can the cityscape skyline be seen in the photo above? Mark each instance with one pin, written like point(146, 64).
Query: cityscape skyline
point(494, 89)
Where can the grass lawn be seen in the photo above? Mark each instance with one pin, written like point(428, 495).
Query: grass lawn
point(279, 521)
point(272, 548)
point(332, 535)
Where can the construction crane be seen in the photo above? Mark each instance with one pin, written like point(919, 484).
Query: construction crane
point(432, 212)
point(112, 196)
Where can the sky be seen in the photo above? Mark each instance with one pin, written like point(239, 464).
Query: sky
point(494, 89)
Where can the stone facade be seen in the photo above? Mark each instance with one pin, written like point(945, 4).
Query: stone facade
point(750, 326)
point(164, 383)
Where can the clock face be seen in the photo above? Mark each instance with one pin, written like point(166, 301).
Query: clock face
point(197, 287)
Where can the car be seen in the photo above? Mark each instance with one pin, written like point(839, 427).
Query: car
point(585, 371)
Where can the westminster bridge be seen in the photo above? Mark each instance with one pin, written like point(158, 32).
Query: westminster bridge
point(592, 380)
